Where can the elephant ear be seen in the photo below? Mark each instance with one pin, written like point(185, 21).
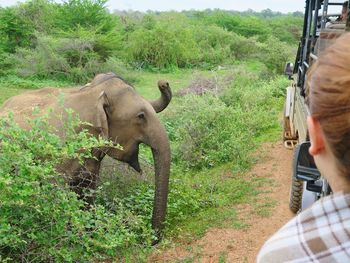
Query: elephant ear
point(102, 114)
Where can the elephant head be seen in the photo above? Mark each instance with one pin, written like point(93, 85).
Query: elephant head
point(127, 119)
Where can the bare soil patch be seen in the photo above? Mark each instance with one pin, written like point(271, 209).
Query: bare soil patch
point(201, 85)
point(242, 245)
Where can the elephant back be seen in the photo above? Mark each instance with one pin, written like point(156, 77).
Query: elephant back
point(22, 105)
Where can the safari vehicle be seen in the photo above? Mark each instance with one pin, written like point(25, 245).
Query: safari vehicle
point(321, 28)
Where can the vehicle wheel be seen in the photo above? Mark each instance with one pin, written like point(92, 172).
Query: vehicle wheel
point(296, 189)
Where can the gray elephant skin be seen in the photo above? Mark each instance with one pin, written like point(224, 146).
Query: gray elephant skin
point(117, 113)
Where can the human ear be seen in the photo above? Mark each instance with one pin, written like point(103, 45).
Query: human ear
point(316, 136)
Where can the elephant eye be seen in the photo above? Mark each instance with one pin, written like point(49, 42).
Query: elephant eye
point(141, 115)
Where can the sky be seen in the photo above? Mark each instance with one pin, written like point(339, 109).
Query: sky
point(178, 5)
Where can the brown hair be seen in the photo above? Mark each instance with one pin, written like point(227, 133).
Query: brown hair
point(329, 98)
point(344, 11)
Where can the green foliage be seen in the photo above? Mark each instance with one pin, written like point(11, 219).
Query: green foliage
point(214, 44)
point(275, 54)
point(85, 13)
point(15, 31)
point(225, 131)
point(210, 136)
point(183, 201)
point(76, 59)
point(286, 28)
point(162, 44)
point(171, 40)
point(6, 62)
point(41, 15)
point(41, 219)
point(44, 43)
point(247, 26)
point(15, 82)
point(73, 40)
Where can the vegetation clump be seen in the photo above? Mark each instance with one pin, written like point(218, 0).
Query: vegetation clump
point(41, 219)
point(74, 40)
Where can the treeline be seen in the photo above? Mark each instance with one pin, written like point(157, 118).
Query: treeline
point(76, 39)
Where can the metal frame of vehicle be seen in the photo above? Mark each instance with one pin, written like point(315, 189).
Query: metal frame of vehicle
point(307, 183)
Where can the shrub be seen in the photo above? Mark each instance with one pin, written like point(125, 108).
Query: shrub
point(6, 63)
point(214, 43)
point(89, 14)
point(287, 28)
point(41, 15)
point(122, 185)
point(274, 54)
point(164, 45)
point(15, 31)
point(210, 136)
point(75, 59)
point(244, 48)
point(205, 136)
point(247, 26)
point(41, 219)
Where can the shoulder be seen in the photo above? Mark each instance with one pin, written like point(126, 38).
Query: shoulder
point(320, 232)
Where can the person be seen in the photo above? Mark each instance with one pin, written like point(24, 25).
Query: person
point(339, 23)
point(344, 12)
point(321, 233)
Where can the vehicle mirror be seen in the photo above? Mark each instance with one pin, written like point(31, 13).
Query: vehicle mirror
point(288, 70)
point(305, 167)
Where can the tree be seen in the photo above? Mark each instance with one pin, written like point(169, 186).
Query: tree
point(15, 31)
point(87, 14)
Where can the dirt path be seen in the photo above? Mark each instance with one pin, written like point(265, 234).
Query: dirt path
point(232, 245)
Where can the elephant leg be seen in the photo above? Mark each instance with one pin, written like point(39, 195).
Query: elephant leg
point(84, 180)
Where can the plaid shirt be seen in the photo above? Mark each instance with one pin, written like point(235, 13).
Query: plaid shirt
point(318, 234)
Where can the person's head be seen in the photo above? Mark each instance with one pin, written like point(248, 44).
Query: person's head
point(344, 11)
point(329, 105)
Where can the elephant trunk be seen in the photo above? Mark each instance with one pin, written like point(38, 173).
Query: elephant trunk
point(161, 154)
point(166, 95)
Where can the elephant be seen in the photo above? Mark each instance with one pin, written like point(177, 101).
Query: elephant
point(116, 112)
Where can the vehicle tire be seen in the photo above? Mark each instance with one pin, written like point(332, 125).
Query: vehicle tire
point(296, 189)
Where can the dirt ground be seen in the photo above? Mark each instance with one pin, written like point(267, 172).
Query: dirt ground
point(242, 245)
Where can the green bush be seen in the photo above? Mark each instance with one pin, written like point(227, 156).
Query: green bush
point(244, 48)
point(214, 44)
point(287, 28)
point(41, 219)
point(275, 54)
point(210, 136)
point(15, 31)
point(205, 136)
point(6, 63)
point(75, 59)
point(92, 14)
point(247, 26)
point(73, 40)
point(41, 15)
point(135, 192)
point(164, 45)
